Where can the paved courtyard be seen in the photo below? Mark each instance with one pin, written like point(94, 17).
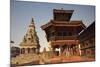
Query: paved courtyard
point(63, 59)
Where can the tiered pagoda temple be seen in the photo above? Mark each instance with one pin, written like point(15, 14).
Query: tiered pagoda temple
point(62, 33)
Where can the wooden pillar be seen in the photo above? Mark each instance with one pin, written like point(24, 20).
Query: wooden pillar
point(80, 49)
point(73, 50)
point(69, 51)
point(66, 50)
point(60, 50)
point(53, 49)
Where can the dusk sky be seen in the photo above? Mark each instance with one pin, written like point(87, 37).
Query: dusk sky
point(22, 13)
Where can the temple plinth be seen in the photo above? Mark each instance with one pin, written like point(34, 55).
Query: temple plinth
point(61, 32)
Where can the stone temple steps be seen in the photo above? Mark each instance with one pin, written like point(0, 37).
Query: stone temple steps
point(24, 58)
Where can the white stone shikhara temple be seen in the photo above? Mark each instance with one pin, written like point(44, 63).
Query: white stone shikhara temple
point(29, 48)
point(30, 43)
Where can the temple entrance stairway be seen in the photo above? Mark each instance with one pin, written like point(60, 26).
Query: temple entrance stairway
point(25, 59)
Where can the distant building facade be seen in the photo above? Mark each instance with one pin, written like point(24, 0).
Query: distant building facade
point(87, 41)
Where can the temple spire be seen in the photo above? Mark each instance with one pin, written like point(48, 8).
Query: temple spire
point(32, 21)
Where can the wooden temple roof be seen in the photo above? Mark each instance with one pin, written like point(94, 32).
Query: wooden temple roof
point(62, 11)
point(64, 23)
point(90, 31)
point(62, 19)
point(62, 15)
